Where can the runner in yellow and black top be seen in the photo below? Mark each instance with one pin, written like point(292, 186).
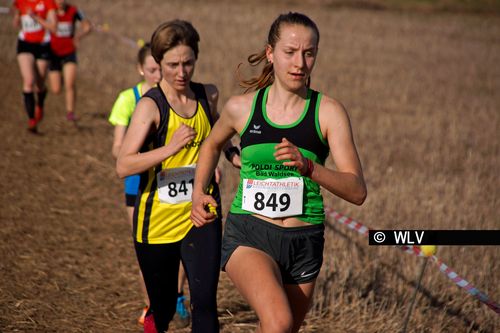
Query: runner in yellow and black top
point(162, 144)
point(273, 241)
point(162, 212)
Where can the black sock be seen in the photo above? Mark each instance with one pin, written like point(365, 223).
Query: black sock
point(41, 98)
point(29, 104)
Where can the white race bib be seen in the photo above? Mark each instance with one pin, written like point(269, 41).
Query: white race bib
point(64, 29)
point(29, 24)
point(176, 185)
point(273, 197)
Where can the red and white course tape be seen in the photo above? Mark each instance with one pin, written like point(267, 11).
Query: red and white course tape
point(415, 250)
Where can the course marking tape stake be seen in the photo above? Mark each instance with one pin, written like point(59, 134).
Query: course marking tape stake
point(415, 250)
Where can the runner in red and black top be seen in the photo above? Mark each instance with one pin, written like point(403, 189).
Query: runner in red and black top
point(63, 44)
point(35, 18)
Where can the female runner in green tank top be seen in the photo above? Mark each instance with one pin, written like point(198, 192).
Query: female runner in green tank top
point(272, 248)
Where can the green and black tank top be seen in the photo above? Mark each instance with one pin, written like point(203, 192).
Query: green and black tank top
point(258, 139)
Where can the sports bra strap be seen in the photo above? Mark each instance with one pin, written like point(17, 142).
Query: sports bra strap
point(137, 94)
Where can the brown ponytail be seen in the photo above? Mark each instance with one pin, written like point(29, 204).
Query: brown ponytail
point(144, 51)
point(266, 77)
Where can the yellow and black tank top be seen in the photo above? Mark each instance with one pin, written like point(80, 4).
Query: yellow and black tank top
point(258, 139)
point(159, 222)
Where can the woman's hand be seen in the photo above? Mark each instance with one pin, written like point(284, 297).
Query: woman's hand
point(182, 136)
point(285, 150)
point(76, 42)
point(203, 210)
point(50, 23)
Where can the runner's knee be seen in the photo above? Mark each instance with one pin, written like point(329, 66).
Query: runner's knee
point(279, 322)
point(28, 84)
point(56, 89)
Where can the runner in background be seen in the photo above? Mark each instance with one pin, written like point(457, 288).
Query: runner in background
point(272, 248)
point(120, 116)
point(63, 44)
point(35, 18)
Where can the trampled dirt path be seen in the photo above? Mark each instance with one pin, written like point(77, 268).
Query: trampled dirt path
point(422, 91)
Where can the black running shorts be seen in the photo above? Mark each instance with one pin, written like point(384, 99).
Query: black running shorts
point(39, 51)
point(298, 251)
point(58, 62)
point(130, 200)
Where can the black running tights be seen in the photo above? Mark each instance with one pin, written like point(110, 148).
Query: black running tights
point(200, 255)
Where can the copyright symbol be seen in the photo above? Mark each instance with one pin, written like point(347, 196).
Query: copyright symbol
point(379, 237)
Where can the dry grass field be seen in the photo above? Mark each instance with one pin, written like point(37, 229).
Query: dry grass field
point(421, 82)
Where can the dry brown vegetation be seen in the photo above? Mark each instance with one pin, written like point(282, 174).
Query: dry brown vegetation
point(422, 89)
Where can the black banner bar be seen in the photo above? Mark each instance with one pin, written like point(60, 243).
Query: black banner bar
point(434, 237)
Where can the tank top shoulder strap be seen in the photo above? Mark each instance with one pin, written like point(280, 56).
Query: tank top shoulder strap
point(158, 96)
point(314, 99)
point(72, 10)
point(201, 96)
point(310, 115)
point(257, 112)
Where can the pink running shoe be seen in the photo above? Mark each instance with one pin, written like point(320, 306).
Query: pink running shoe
point(70, 116)
point(149, 324)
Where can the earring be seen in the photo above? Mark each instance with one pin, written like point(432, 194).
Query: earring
point(142, 73)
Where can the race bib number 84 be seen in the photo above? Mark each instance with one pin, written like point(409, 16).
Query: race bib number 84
point(273, 197)
point(176, 185)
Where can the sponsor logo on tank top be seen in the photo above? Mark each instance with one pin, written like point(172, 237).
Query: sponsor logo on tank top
point(193, 144)
point(273, 170)
point(40, 7)
point(256, 129)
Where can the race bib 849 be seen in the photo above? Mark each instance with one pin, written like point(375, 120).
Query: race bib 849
point(273, 197)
